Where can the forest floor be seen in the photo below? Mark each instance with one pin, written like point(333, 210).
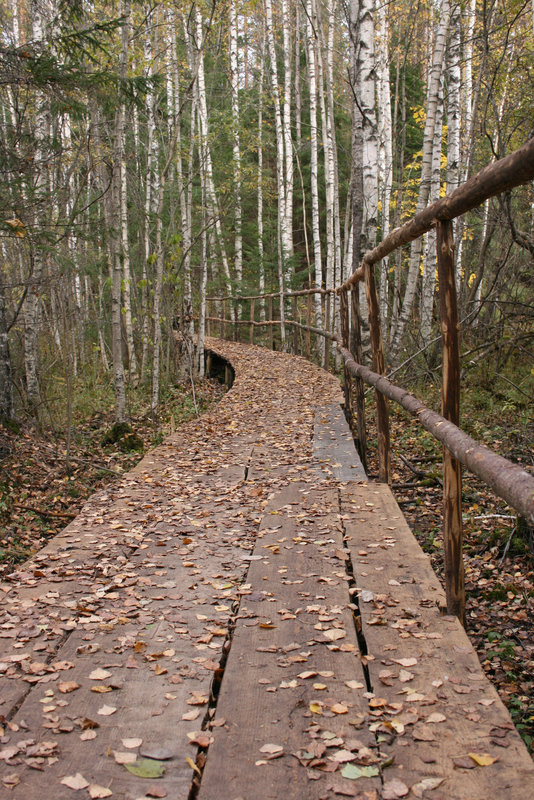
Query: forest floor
point(40, 491)
point(499, 559)
point(45, 480)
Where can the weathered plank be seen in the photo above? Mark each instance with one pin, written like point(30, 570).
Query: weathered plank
point(333, 445)
point(434, 705)
point(286, 676)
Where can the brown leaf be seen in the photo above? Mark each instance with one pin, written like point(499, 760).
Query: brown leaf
point(65, 687)
point(75, 782)
point(394, 789)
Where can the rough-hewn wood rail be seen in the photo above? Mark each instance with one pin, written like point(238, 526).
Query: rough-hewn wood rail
point(250, 614)
point(509, 482)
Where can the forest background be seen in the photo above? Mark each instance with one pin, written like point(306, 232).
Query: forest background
point(154, 154)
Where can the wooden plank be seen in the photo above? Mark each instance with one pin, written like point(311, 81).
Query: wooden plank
point(437, 706)
point(333, 445)
point(296, 581)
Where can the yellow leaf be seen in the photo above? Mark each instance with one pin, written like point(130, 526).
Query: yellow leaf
point(316, 708)
point(482, 759)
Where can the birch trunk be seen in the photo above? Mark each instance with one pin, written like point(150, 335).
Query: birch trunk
point(200, 93)
point(430, 263)
point(283, 238)
point(385, 152)
point(454, 75)
point(259, 181)
point(434, 79)
point(316, 232)
point(234, 73)
point(288, 144)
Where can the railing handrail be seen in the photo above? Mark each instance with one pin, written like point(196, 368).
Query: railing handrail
point(501, 176)
point(508, 480)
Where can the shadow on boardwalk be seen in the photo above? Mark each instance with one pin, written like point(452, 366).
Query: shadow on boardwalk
point(198, 614)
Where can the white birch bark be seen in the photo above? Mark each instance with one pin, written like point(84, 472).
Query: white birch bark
point(283, 238)
point(454, 75)
point(200, 94)
point(234, 74)
point(430, 263)
point(385, 151)
point(434, 79)
point(286, 124)
point(259, 180)
point(316, 232)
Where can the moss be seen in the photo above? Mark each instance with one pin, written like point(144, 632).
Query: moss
point(124, 436)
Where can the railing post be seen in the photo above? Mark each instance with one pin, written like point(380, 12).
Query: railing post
point(356, 351)
point(294, 311)
point(271, 333)
point(344, 326)
point(251, 328)
point(450, 402)
point(208, 315)
point(223, 317)
point(326, 360)
point(382, 413)
point(236, 326)
point(309, 301)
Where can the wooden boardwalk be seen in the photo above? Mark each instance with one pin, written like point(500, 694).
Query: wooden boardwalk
point(244, 616)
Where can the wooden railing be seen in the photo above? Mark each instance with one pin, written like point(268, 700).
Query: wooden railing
point(509, 481)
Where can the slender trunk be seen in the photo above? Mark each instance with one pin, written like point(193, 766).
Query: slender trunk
point(259, 180)
point(234, 72)
point(316, 232)
point(286, 124)
point(434, 79)
point(284, 251)
point(429, 273)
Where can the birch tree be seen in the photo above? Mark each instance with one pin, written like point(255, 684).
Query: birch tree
point(432, 103)
point(314, 157)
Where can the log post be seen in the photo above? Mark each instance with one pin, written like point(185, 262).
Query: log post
point(326, 360)
point(251, 328)
point(236, 336)
point(294, 312)
point(308, 323)
point(356, 350)
point(223, 317)
point(382, 412)
point(344, 325)
point(271, 333)
point(208, 315)
point(450, 403)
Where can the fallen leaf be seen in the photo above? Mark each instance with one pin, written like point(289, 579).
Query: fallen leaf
point(86, 736)
point(156, 791)
point(156, 751)
point(427, 784)
point(124, 758)
point(483, 759)
point(339, 708)
point(191, 715)
point(97, 792)
point(75, 781)
point(272, 749)
point(99, 674)
point(146, 768)
point(200, 738)
point(436, 717)
point(65, 687)
point(106, 711)
point(405, 662)
point(333, 634)
point(131, 743)
point(394, 789)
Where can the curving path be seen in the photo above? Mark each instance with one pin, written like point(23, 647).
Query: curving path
point(242, 617)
